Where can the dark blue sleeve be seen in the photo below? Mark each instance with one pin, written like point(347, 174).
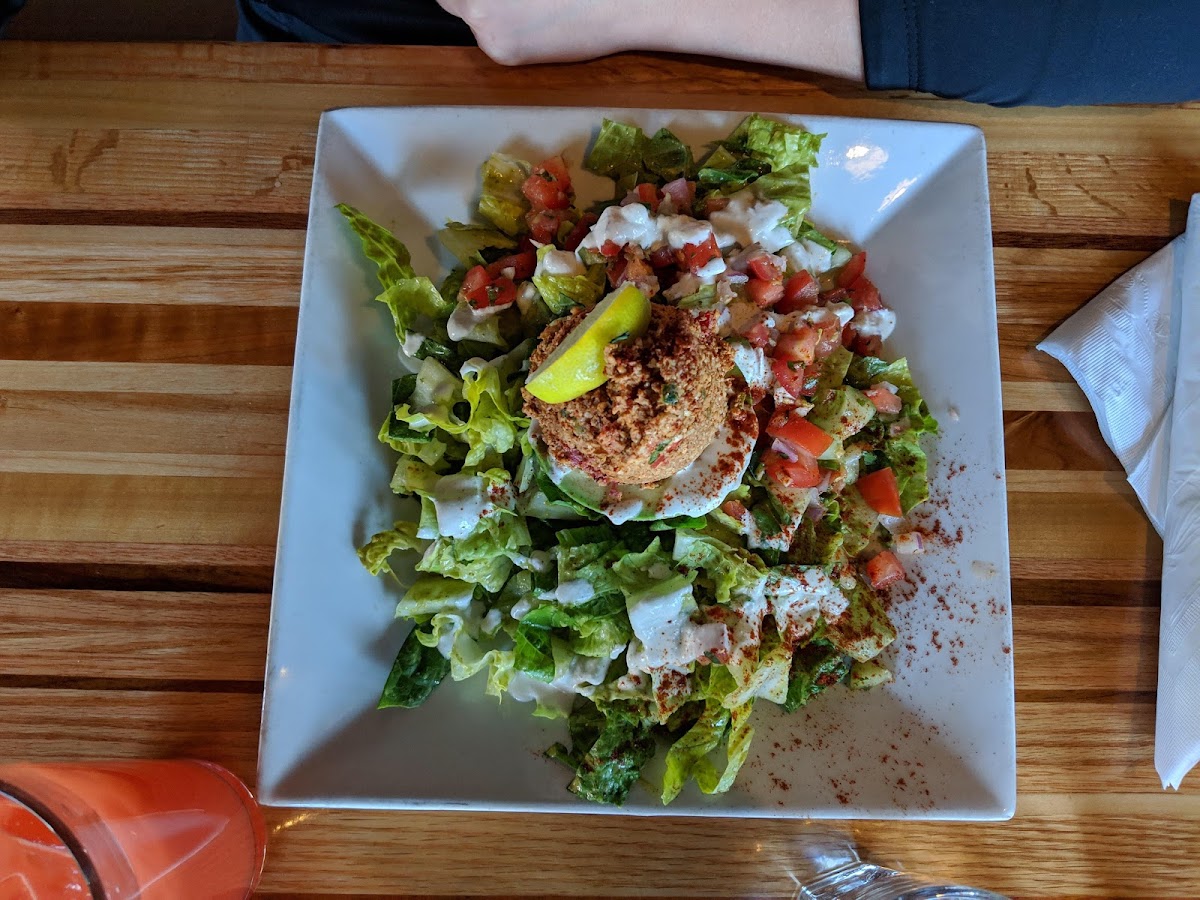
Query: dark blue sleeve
point(1040, 52)
point(350, 22)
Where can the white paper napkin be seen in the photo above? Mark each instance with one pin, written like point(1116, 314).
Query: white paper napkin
point(1135, 351)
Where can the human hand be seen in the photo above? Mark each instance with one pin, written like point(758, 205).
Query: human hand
point(513, 32)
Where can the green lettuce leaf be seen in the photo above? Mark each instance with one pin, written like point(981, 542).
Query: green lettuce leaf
point(844, 413)
point(501, 201)
point(390, 256)
point(858, 521)
point(816, 666)
point(910, 466)
point(780, 144)
point(483, 557)
point(610, 746)
point(730, 572)
point(433, 594)
point(467, 243)
point(866, 371)
point(791, 188)
point(667, 156)
point(375, 552)
point(418, 669)
point(864, 630)
point(617, 151)
point(688, 757)
point(467, 655)
point(562, 293)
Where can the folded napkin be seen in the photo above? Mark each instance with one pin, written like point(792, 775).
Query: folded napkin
point(1135, 351)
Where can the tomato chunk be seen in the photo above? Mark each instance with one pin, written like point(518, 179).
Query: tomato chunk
point(790, 375)
point(803, 472)
point(798, 346)
point(864, 295)
point(853, 270)
point(880, 491)
point(799, 293)
point(733, 508)
point(695, 257)
point(500, 292)
point(474, 286)
point(759, 335)
point(662, 257)
point(648, 194)
point(762, 267)
point(576, 235)
point(610, 248)
point(797, 431)
point(764, 294)
point(522, 265)
point(885, 401)
point(884, 569)
point(549, 187)
point(544, 224)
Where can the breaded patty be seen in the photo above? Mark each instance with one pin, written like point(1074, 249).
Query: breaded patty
point(666, 397)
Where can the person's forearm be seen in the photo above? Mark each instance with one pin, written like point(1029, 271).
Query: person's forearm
point(813, 35)
point(820, 36)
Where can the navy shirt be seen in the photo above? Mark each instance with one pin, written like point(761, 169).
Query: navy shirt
point(1004, 52)
point(1044, 52)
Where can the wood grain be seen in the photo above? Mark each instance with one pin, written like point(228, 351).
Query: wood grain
point(152, 206)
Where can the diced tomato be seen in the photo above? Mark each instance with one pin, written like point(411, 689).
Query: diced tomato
point(522, 265)
point(662, 257)
point(864, 295)
point(853, 270)
point(867, 346)
point(885, 401)
point(884, 569)
point(474, 286)
point(733, 508)
point(799, 345)
point(544, 193)
point(712, 204)
point(759, 335)
point(764, 294)
point(790, 426)
point(694, 257)
point(648, 194)
point(576, 235)
point(610, 248)
point(803, 472)
point(500, 292)
point(762, 267)
point(556, 167)
point(544, 224)
point(880, 491)
point(616, 271)
point(799, 292)
point(790, 376)
point(549, 187)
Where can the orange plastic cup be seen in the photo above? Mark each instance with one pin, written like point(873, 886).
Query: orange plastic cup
point(150, 830)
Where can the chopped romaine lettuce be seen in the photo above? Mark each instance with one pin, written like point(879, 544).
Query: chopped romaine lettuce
point(467, 242)
point(418, 669)
point(501, 201)
point(562, 293)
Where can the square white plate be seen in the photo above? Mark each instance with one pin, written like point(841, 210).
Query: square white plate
point(938, 743)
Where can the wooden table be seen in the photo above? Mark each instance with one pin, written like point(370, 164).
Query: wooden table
point(152, 211)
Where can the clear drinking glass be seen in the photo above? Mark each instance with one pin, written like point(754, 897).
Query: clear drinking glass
point(121, 830)
point(834, 871)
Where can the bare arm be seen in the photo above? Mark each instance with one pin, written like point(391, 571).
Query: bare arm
point(819, 36)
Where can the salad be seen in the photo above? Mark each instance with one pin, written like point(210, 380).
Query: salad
point(662, 464)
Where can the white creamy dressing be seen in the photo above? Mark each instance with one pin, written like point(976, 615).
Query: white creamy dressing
point(808, 256)
point(492, 621)
point(559, 262)
point(797, 597)
point(461, 502)
point(521, 608)
point(665, 635)
point(574, 592)
point(748, 220)
point(465, 319)
point(752, 363)
point(635, 224)
point(412, 343)
point(878, 323)
point(574, 677)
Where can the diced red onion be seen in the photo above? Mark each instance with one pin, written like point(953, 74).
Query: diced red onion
point(784, 449)
point(909, 543)
point(680, 194)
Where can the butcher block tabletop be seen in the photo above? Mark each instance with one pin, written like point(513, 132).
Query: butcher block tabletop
point(153, 201)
